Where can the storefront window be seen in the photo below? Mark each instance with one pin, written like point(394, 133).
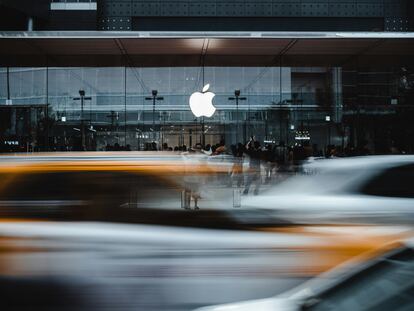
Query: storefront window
point(278, 103)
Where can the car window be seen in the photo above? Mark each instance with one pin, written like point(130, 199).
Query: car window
point(388, 285)
point(36, 186)
point(394, 182)
point(42, 193)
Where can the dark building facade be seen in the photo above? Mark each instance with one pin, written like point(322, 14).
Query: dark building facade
point(219, 15)
point(42, 15)
point(250, 15)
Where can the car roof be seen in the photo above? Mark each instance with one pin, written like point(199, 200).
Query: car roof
point(360, 162)
point(161, 162)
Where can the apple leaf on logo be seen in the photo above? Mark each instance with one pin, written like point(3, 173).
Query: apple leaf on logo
point(206, 87)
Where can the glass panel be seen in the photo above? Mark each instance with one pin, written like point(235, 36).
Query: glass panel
point(338, 110)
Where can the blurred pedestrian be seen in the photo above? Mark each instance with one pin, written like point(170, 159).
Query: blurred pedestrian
point(220, 148)
point(299, 156)
point(281, 154)
point(268, 160)
point(253, 176)
point(192, 181)
point(237, 169)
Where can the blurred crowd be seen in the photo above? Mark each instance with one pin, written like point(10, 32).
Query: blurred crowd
point(256, 164)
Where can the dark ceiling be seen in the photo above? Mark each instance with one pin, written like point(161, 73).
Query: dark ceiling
point(103, 49)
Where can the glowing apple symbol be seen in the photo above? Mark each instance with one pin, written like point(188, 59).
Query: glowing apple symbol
point(201, 104)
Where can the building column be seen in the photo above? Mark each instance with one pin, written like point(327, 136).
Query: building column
point(337, 103)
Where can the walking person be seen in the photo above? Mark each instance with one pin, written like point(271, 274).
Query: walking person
point(237, 169)
point(254, 152)
point(268, 159)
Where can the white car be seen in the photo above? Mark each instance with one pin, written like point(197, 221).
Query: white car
point(384, 283)
point(374, 188)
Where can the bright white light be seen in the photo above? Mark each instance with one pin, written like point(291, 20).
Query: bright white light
point(292, 127)
point(302, 138)
point(201, 103)
point(11, 142)
point(63, 119)
point(302, 135)
point(328, 118)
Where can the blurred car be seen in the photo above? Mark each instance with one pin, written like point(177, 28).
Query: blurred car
point(70, 265)
point(93, 231)
point(373, 189)
point(383, 283)
point(97, 186)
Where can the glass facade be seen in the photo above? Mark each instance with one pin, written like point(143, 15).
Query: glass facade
point(319, 106)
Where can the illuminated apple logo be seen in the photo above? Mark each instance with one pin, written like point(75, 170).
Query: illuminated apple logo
point(201, 104)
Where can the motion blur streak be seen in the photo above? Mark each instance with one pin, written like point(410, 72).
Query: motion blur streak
point(155, 267)
point(169, 231)
point(137, 161)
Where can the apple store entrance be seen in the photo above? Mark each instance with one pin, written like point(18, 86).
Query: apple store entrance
point(175, 137)
point(293, 105)
point(149, 90)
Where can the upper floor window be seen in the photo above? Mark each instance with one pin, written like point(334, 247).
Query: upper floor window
point(73, 5)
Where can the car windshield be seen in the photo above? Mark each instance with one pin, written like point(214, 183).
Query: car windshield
point(388, 285)
point(314, 182)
